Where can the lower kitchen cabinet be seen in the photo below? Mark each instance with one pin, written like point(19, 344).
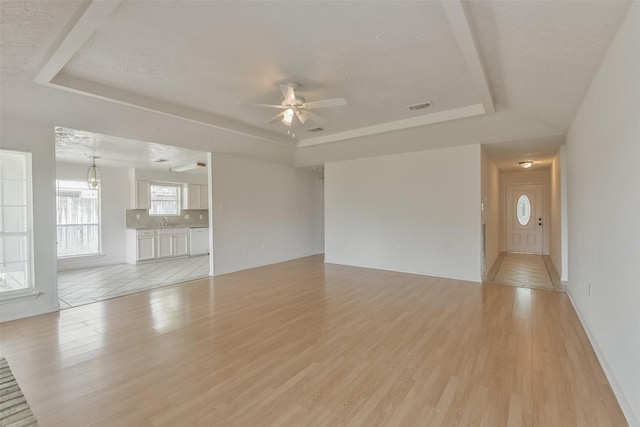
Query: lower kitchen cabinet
point(165, 242)
point(145, 248)
point(149, 244)
point(181, 242)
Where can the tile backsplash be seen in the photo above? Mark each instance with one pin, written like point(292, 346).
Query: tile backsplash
point(147, 221)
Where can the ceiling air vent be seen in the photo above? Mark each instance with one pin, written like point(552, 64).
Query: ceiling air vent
point(420, 106)
point(318, 129)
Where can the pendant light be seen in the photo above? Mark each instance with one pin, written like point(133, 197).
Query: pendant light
point(94, 176)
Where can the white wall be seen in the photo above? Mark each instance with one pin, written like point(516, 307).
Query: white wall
point(263, 213)
point(525, 177)
point(490, 209)
point(413, 212)
point(603, 146)
point(114, 194)
point(38, 139)
point(558, 214)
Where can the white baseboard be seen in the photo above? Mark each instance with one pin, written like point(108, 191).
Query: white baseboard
point(394, 270)
point(627, 409)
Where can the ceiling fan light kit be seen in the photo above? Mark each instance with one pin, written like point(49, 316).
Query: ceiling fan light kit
point(288, 116)
point(296, 106)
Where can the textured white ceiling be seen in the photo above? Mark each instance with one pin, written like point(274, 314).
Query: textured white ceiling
point(539, 58)
point(380, 56)
point(77, 146)
point(506, 155)
point(26, 30)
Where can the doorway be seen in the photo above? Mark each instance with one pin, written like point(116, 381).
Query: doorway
point(132, 232)
point(524, 219)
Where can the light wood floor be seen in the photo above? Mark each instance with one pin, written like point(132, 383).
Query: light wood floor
point(307, 344)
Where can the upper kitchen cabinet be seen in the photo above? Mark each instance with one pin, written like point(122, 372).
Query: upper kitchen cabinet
point(195, 196)
point(140, 195)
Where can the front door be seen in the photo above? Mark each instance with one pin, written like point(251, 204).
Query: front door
point(524, 218)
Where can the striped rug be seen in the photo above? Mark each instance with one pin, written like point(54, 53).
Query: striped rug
point(14, 410)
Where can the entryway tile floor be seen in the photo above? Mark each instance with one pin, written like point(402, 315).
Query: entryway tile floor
point(85, 286)
point(523, 270)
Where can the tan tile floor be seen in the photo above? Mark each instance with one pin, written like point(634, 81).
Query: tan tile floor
point(79, 287)
point(524, 270)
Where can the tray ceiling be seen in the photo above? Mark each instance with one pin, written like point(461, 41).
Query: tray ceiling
point(495, 71)
point(209, 56)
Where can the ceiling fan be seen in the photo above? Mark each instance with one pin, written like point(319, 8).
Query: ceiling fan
point(294, 105)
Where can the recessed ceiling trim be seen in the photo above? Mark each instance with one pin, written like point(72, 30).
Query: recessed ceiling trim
point(88, 19)
point(91, 15)
point(97, 90)
point(457, 17)
point(85, 21)
point(427, 119)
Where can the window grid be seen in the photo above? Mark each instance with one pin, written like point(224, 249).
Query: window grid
point(164, 200)
point(15, 223)
point(78, 219)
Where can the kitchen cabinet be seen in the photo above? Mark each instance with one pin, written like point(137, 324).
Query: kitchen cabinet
point(145, 245)
point(140, 195)
point(165, 242)
point(195, 196)
point(204, 197)
point(180, 242)
point(150, 244)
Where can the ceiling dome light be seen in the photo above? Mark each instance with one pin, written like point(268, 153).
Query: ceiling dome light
point(288, 116)
point(526, 164)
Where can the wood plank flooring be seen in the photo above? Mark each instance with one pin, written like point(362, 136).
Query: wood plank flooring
point(302, 343)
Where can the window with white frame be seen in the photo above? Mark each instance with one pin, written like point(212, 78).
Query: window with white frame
point(16, 235)
point(164, 200)
point(78, 219)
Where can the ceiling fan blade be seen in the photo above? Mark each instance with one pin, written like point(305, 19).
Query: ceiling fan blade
point(261, 105)
point(275, 119)
point(334, 102)
point(288, 93)
point(314, 117)
point(302, 116)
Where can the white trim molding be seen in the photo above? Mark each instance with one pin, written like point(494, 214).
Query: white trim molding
point(32, 294)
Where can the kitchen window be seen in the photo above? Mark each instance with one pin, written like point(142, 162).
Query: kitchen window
point(16, 227)
point(165, 200)
point(78, 219)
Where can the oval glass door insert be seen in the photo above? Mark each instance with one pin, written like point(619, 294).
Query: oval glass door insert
point(523, 209)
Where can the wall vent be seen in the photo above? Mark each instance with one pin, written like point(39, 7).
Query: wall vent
point(420, 106)
point(318, 129)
